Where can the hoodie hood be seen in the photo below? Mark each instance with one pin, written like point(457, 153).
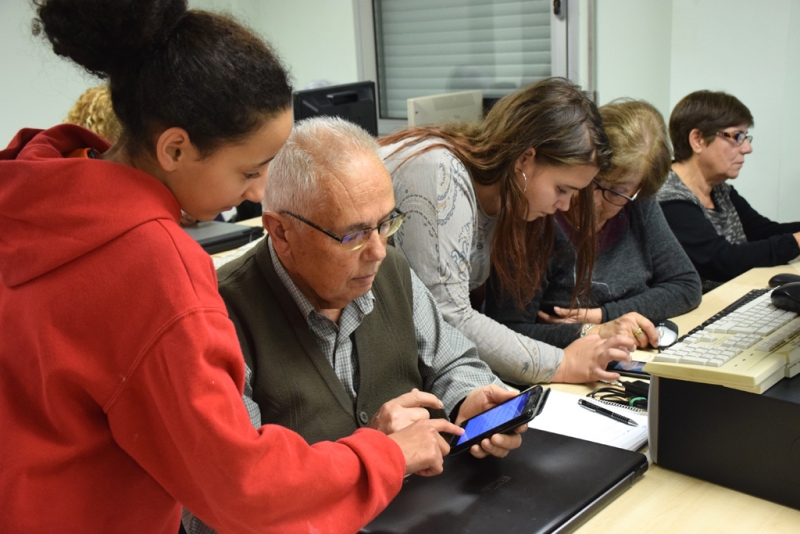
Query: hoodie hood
point(54, 209)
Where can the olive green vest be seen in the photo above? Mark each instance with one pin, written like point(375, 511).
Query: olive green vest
point(293, 383)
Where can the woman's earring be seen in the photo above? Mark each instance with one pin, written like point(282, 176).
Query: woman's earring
point(526, 181)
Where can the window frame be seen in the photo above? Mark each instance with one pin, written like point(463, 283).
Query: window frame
point(564, 35)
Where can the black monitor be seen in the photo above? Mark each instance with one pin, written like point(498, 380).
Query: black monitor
point(354, 102)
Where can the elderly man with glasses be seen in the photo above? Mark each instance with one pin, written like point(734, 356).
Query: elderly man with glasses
point(337, 332)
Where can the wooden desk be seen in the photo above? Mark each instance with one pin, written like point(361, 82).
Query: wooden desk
point(665, 501)
point(255, 221)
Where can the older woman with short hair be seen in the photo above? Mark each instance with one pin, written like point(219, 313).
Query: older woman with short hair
point(640, 267)
point(721, 233)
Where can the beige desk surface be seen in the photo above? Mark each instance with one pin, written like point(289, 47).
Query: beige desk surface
point(255, 221)
point(666, 501)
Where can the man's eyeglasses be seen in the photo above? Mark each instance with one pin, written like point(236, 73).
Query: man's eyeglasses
point(737, 137)
point(615, 197)
point(359, 238)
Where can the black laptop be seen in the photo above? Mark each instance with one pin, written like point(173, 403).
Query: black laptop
point(552, 483)
point(215, 236)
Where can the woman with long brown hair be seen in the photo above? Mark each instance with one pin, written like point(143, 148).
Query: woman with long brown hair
point(640, 267)
point(481, 196)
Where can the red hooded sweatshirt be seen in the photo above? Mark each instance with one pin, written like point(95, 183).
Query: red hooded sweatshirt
point(121, 375)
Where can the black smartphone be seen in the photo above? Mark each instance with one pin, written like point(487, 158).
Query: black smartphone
point(632, 368)
point(549, 309)
point(502, 418)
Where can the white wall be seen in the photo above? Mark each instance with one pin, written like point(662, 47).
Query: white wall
point(788, 192)
point(748, 49)
point(38, 88)
point(633, 51)
point(315, 38)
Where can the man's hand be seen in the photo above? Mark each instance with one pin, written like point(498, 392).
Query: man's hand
point(404, 410)
point(423, 448)
point(638, 327)
point(480, 400)
point(565, 315)
point(585, 359)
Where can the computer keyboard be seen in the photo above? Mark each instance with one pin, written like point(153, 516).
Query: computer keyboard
point(750, 345)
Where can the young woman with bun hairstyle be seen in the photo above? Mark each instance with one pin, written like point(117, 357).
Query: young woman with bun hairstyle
point(121, 375)
point(483, 195)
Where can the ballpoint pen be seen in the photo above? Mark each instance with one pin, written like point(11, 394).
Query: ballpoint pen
point(608, 413)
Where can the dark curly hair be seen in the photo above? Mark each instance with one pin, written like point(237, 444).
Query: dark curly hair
point(168, 66)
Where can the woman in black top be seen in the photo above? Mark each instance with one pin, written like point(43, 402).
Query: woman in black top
point(720, 232)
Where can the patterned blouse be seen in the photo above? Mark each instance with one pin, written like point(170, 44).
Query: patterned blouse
point(447, 239)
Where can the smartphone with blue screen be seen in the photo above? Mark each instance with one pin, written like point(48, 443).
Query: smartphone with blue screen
point(502, 418)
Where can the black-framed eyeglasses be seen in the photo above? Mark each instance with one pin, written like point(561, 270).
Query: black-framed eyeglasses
point(359, 238)
point(615, 197)
point(737, 137)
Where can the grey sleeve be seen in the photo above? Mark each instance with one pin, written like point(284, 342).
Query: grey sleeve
point(504, 310)
point(558, 335)
point(675, 287)
point(252, 408)
point(449, 362)
point(436, 246)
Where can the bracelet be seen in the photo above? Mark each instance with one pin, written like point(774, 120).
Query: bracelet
point(586, 328)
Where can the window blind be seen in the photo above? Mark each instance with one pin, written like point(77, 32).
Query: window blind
point(427, 47)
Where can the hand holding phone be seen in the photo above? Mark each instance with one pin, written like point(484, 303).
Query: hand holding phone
point(500, 419)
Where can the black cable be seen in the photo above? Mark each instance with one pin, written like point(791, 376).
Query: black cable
point(630, 394)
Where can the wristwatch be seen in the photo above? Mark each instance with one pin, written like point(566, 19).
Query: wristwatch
point(586, 328)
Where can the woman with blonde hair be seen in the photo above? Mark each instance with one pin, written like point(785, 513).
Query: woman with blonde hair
point(484, 195)
point(94, 111)
point(640, 267)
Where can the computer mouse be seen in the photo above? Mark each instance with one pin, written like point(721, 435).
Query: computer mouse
point(787, 297)
point(667, 333)
point(783, 278)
